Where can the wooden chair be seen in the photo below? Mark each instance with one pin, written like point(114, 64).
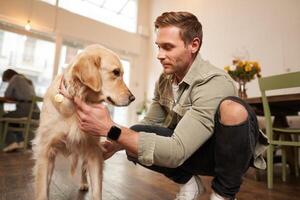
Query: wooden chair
point(26, 124)
point(277, 136)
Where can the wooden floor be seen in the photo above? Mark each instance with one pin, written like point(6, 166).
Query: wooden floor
point(122, 181)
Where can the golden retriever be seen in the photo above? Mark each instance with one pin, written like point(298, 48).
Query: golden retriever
point(95, 75)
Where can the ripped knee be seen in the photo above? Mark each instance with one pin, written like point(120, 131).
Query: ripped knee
point(232, 113)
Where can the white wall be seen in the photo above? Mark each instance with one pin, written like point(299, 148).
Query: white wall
point(266, 31)
point(77, 28)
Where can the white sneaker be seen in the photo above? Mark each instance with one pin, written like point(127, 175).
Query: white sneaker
point(13, 146)
point(215, 196)
point(191, 190)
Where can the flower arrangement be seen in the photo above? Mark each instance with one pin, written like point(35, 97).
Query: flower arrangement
point(243, 71)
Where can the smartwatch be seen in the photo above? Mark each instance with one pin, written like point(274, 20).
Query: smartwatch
point(114, 133)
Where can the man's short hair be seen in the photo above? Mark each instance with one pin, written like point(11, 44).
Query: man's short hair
point(189, 25)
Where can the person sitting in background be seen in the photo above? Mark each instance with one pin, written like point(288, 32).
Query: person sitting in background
point(21, 90)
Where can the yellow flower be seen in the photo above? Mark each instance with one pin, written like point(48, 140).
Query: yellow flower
point(248, 67)
point(256, 65)
point(226, 68)
point(240, 64)
point(252, 63)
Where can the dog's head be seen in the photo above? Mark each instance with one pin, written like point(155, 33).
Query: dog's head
point(97, 75)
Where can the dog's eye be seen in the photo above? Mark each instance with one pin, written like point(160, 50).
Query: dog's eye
point(116, 72)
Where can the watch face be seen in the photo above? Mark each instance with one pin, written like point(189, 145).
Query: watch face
point(114, 133)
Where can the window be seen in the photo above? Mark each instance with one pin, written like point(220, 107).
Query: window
point(29, 50)
point(68, 52)
point(1, 41)
point(50, 1)
point(118, 13)
point(30, 56)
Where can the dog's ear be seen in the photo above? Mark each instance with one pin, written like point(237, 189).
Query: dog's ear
point(86, 69)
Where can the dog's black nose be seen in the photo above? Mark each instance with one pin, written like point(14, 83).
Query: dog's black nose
point(131, 98)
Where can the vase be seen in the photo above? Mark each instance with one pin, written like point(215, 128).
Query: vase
point(242, 89)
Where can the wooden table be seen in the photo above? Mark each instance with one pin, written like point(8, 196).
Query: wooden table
point(281, 106)
point(2, 101)
point(288, 104)
point(6, 100)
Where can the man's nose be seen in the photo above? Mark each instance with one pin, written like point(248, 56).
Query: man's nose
point(161, 55)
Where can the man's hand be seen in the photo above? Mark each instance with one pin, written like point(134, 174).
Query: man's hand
point(93, 119)
point(110, 149)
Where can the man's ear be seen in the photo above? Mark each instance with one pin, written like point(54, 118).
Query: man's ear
point(86, 69)
point(195, 45)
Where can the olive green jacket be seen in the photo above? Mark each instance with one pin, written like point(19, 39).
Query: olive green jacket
point(191, 116)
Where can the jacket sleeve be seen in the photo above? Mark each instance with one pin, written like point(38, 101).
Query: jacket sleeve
point(194, 129)
point(156, 114)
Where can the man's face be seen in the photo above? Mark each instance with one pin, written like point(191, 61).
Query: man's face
point(173, 54)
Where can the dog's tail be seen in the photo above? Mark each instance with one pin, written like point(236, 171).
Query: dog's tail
point(74, 162)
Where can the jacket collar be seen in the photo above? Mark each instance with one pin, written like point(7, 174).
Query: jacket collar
point(192, 72)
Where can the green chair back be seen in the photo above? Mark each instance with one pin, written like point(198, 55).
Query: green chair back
point(282, 81)
point(31, 122)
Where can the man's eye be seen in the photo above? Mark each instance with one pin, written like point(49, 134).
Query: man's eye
point(168, 47)
point(116, 72)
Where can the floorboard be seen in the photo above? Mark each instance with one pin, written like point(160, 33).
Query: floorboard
point(124, 181)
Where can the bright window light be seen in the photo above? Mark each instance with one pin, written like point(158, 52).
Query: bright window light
point(68, 53)
point(118, 13)
point(27, 55)
point(50, 1)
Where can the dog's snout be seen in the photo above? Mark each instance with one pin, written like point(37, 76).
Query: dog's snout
point(131, 98)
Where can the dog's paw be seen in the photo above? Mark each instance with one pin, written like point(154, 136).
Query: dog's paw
point(84, 187)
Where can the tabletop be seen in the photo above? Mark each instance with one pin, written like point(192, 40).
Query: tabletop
point(286, 104)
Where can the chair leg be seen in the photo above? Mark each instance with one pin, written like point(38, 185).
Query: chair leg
point(4, 134)
point(1, 136)
point(26, 136)
point(270, 165)
point(296, 161)
point(283, 162)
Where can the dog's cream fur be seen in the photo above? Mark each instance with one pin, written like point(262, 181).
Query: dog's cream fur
point(95, 75)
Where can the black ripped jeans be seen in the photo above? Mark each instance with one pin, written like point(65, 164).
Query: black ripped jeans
point(226, 155)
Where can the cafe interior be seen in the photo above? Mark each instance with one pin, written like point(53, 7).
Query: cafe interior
point(256, 42)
